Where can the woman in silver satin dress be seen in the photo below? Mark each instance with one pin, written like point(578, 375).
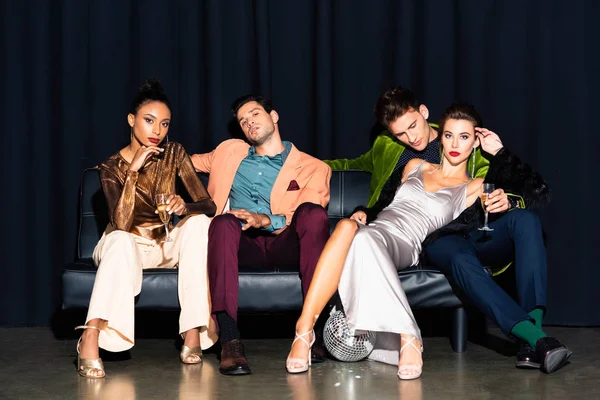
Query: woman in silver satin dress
point(361, 261)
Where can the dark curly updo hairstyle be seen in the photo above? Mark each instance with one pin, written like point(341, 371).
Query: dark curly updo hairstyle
point(151, 90)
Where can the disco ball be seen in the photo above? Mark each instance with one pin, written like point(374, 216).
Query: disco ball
point(341, 344)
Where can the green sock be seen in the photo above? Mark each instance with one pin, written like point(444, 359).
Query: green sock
point(537, 314)
point(528, 332)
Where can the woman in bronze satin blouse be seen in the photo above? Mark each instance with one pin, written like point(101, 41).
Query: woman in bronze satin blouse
point(135, 237)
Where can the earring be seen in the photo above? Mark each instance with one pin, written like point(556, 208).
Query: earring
point(473, 163)
point(167, 138)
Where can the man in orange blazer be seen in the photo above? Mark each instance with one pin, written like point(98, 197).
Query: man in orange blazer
point(271, 198)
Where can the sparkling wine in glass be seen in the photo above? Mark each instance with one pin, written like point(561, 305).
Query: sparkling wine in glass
point(487, 189)
point(165, 217)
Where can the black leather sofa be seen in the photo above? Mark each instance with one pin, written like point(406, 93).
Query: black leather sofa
point(260, 291)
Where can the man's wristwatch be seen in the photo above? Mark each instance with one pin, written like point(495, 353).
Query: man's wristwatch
point(513, 203)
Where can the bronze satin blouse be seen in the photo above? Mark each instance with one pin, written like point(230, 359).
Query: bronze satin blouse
point(130, 194)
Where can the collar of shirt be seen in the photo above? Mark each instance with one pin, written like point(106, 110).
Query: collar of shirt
point(283, 155)
point(434, 143)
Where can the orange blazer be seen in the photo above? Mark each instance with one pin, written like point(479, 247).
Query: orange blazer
point(302, 178)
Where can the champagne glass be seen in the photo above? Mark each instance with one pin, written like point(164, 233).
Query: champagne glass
point(487, 189)
point(165, 217)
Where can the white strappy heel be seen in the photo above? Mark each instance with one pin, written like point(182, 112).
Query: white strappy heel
point(410, 371)
point(290, 362)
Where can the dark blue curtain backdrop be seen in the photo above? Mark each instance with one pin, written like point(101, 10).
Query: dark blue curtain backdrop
point(69, 69)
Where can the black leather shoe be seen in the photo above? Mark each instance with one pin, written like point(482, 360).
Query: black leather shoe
point(527, 357)
point(552, 354)
point(233, 359)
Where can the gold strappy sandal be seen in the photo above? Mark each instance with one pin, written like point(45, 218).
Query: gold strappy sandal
point(86, 365)
point(190, 351)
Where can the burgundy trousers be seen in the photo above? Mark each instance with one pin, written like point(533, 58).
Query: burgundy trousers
point(298, 247)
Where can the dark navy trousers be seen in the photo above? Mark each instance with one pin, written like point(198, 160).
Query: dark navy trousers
point(517, 237)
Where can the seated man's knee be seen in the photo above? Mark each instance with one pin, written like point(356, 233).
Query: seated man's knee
point(311, 217)
point(523, 220)
point(224, 222)
point(312, 211)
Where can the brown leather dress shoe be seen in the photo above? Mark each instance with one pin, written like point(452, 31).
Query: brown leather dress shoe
point(233, 359)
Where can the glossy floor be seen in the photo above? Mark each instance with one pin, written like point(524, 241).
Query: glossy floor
point(35, 365)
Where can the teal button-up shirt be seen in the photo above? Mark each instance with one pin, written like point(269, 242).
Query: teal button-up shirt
point(253, 182)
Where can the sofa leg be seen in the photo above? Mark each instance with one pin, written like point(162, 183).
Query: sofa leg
point(458, 338)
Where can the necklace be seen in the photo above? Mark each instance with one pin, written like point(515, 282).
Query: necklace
point(435, 169)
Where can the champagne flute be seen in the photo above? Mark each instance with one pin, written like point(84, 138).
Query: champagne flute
point(165, 217)
point(487, 189)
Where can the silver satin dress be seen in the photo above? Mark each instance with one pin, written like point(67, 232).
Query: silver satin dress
point(369, 287)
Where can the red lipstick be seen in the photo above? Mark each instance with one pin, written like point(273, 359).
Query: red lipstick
point(153, 140)
point(454, 153)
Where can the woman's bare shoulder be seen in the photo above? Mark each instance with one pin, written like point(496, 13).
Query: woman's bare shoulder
point(410, 166)
point(429, 167)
